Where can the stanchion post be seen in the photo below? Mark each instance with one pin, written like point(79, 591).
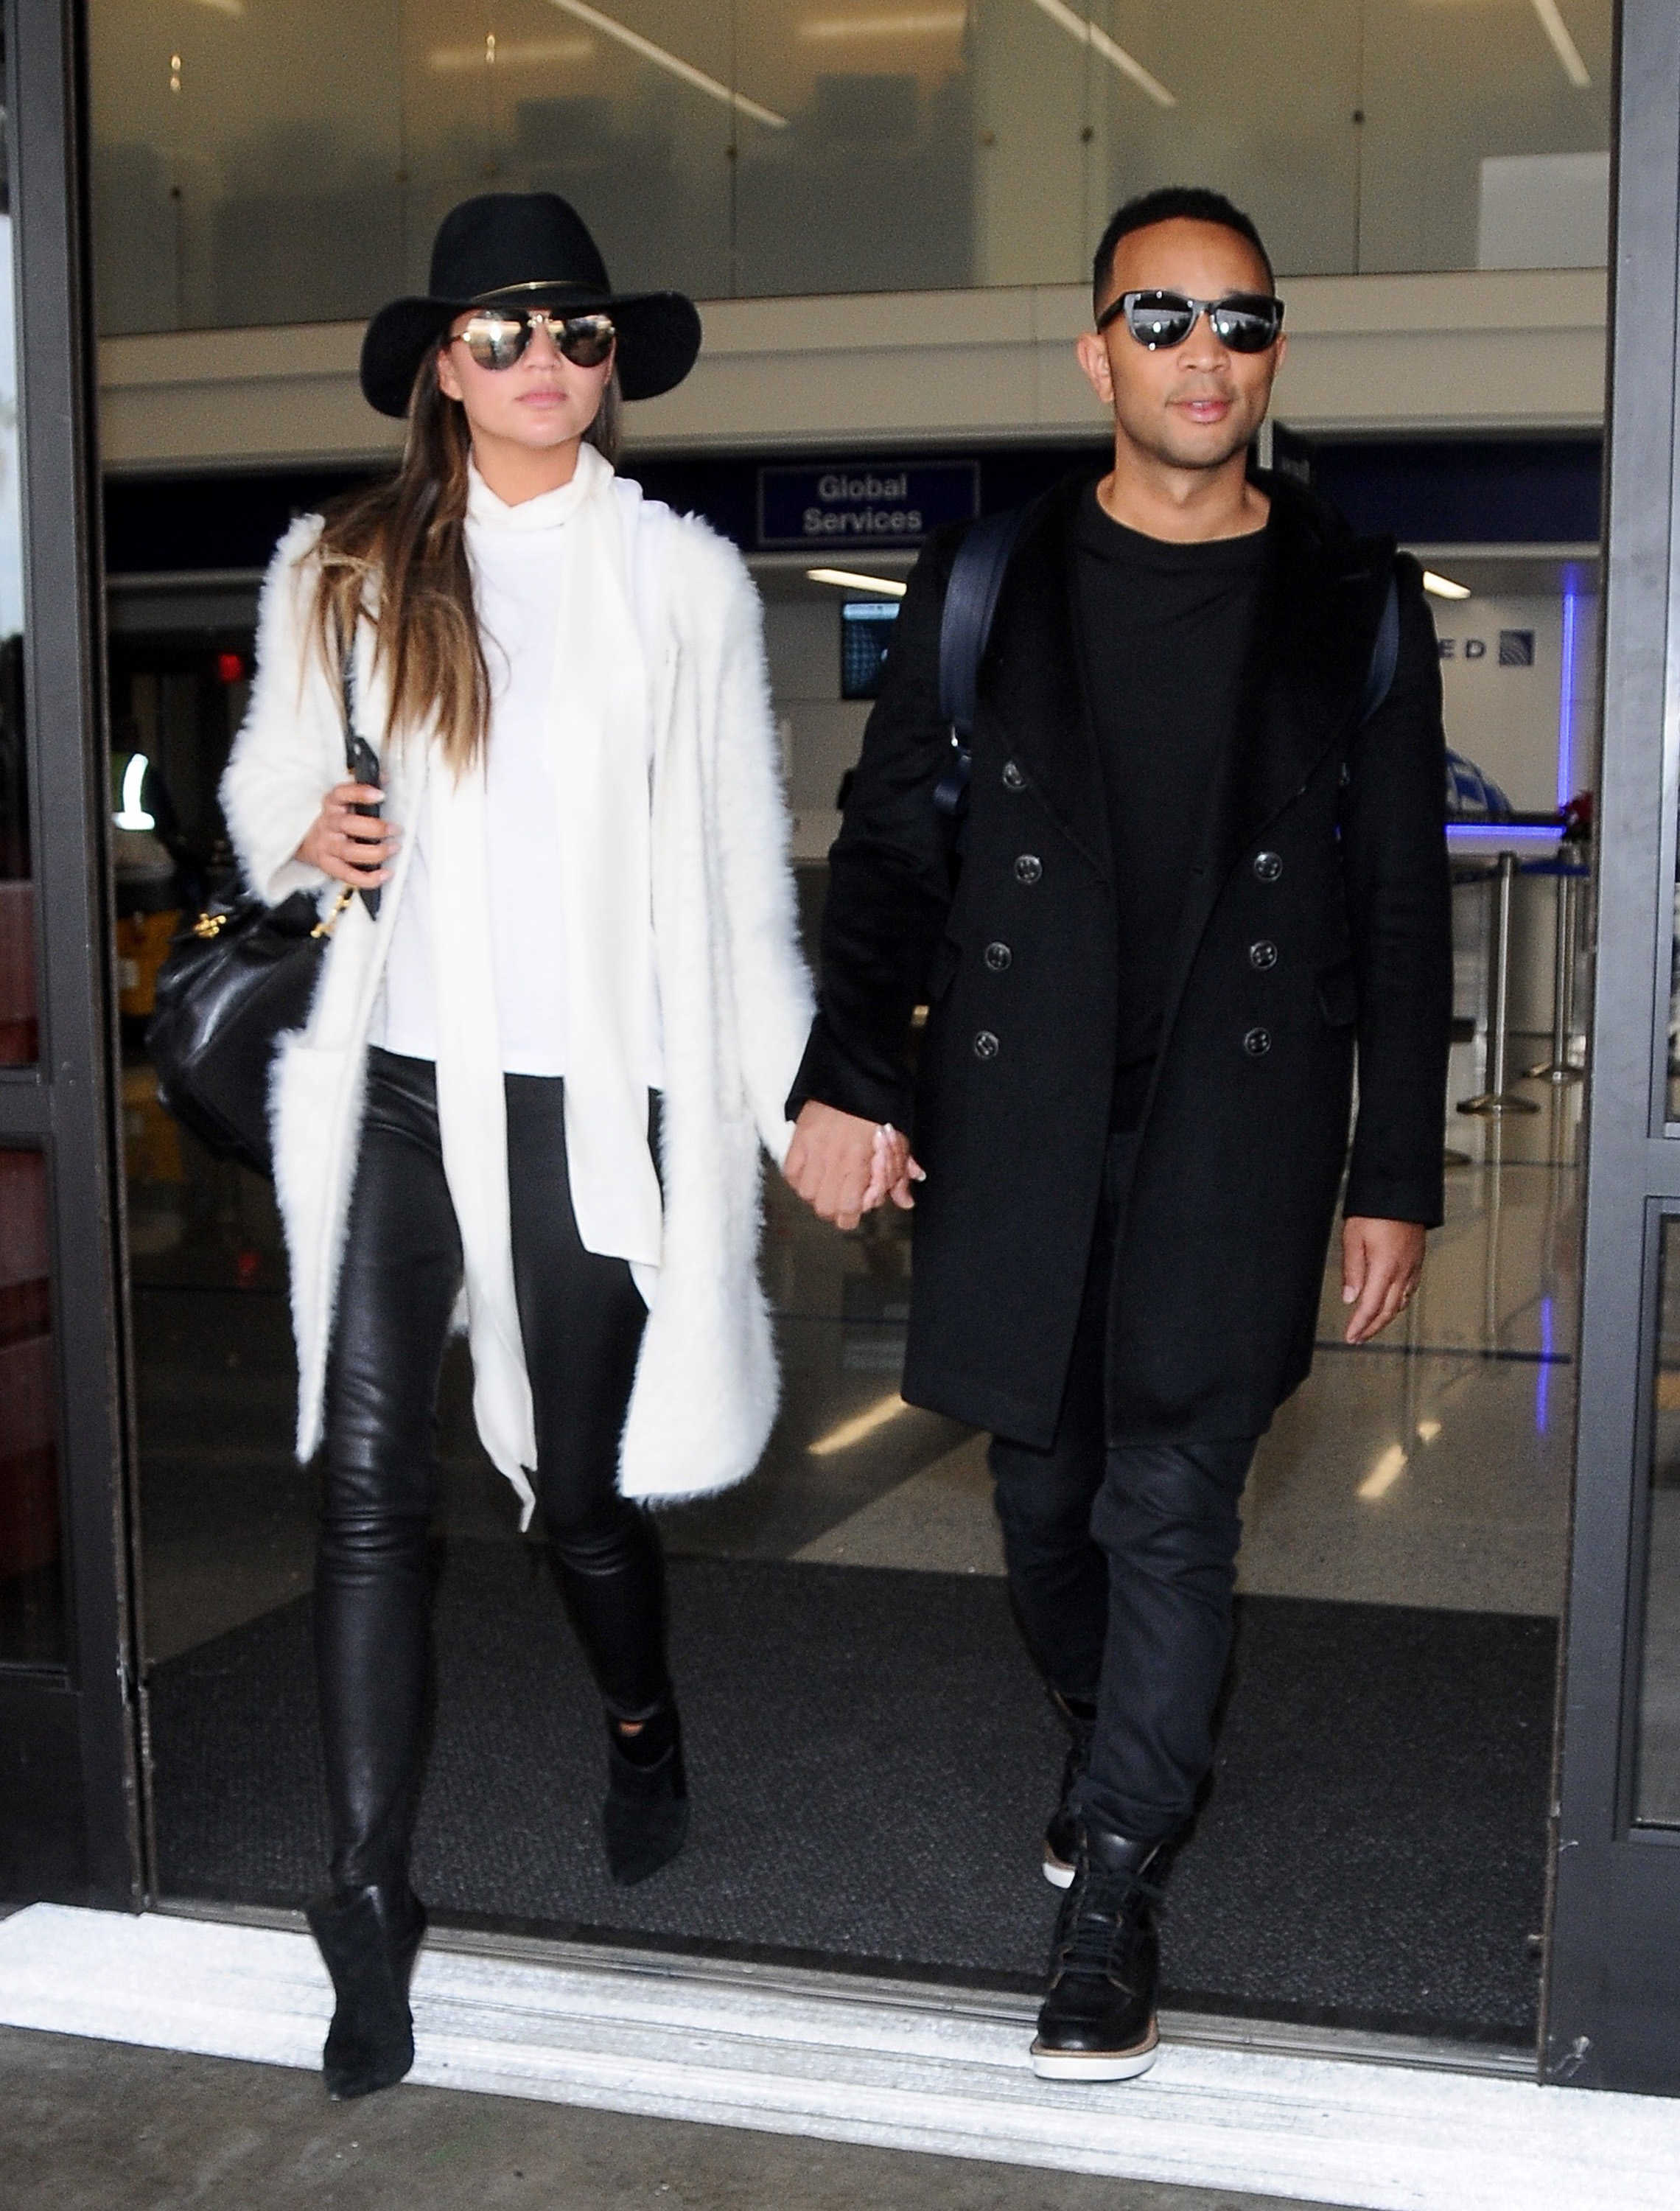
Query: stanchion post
point(1559, 1068)
point(1496, 1098)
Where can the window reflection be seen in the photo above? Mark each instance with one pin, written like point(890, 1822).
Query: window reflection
point(18, 1025)
point(31, 1585)
point(268, 164)
point(1657, 1801)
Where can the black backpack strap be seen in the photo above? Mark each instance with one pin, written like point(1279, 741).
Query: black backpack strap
point(1385, 655)
point(970, 600)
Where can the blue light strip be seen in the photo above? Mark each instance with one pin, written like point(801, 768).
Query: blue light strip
point(1566, 692)
point(1503, 833)
point(1543, 1378)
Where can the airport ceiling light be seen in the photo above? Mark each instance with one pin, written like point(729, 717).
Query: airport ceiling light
point(131, 814)
point(1443, 587)
point(661, 58)
point(849, 580)
point(1568, 52)
point(908, 23)
point(1082, 28)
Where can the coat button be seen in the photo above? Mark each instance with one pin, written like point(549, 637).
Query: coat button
point(1268, 866)
point(1257, 1043)
point(1013, 778)
point(1029, 868)
point(997, 957)
point(985, 1046)
point(1263, 954)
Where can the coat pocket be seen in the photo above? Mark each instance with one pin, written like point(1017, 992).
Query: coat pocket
point(1338, 995)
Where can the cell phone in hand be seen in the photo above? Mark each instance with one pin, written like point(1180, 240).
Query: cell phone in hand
point(364, 765)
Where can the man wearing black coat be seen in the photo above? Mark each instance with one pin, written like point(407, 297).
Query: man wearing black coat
point(1202, 876)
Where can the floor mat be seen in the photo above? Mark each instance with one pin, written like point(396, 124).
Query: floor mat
point(872, 1762)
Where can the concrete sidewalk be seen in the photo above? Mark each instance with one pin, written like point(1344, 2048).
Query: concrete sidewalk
point(103, 2126)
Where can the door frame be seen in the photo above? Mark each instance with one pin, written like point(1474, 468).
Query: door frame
point(68, 1803)
point(1611, 2005)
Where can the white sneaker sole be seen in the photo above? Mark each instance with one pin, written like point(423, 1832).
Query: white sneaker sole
point(1057, 1871)
point(1094, 2065)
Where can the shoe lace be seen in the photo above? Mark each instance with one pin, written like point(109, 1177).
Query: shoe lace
point(1105, 1910)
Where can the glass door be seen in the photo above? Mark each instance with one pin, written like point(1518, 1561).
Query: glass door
point(1612, 2016)
point(67, 1801)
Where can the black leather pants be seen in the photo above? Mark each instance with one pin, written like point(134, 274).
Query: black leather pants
point(581, 1317)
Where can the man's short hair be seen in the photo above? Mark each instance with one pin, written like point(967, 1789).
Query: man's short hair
point(1171, 204)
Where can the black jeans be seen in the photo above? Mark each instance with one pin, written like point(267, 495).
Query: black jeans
point(1122, 1560)
point(581, 1317)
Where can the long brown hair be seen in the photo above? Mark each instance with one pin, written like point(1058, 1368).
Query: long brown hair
point(407, 537)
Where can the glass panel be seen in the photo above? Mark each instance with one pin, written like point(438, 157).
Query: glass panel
point(19, 1041)
point(256, 163)
point(1657, 1792)
point(1257, 101)
point(32, 1596)
point(1486, 134)
point(856, 168)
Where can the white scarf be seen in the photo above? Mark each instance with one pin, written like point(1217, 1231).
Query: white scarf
point(599, 704)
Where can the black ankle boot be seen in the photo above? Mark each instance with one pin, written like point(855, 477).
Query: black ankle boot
point(1062, 1836)
point(645, 1818)
point(368, 1937)
point(1097, 2022)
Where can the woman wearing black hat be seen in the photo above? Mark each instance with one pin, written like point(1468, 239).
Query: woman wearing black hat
point(549, 1037)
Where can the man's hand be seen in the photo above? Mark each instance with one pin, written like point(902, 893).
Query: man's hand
point(844, 1167)
point(1381, 1262)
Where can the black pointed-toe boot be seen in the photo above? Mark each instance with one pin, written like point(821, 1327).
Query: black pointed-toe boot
point(369, 1937)
point(1061, 1835)
point(1097, 2021)
point(645, 1818)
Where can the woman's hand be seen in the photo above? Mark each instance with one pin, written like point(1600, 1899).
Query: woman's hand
point(352, 848)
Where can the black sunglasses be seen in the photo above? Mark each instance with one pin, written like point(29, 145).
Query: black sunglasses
point(496, 337)
point(1246, 322)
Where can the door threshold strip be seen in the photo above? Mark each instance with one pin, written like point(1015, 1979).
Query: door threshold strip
point(895, 2065)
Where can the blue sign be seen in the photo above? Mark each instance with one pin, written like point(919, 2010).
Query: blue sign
point(851, 507)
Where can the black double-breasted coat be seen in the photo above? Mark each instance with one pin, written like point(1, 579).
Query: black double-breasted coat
point(1315, 931)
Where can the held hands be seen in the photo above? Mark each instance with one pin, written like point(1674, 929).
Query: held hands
point(352, 848)
point(844, 1167)
point(1381, 1262)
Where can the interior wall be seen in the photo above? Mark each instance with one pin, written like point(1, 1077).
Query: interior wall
point(1505, 717)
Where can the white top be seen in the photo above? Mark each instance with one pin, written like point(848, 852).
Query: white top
point(519, 557)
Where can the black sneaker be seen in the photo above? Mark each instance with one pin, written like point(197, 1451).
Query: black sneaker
point(1062, 1836)
point(1097, 2022)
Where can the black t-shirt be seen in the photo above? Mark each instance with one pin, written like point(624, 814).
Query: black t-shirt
point(1164, 630)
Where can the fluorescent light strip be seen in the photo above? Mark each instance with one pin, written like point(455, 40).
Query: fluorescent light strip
point(1568, 52)
point(857, 1428)
point(522, 53)
point(932, 22)
point(610, 27)
point(225, 7)
point(1082, 28)
point(848, 579)
point(1443, 587)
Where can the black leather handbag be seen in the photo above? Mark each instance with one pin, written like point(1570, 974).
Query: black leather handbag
point(235, 981)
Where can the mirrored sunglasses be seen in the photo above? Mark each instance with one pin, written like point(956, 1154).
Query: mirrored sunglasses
point(1246, 322)
point(496, 337)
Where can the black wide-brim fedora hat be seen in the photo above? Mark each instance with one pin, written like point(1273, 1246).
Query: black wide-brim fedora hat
point(526, 249)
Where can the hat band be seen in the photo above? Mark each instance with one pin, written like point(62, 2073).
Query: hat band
point(539, 284)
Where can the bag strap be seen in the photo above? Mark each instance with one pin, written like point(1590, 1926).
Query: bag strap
point(970, 600)
point(1385, 655)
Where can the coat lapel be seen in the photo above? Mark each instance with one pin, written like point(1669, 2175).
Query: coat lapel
point(1032, 682)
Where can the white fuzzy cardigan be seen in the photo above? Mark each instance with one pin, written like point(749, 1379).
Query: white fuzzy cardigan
point(734, 997)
